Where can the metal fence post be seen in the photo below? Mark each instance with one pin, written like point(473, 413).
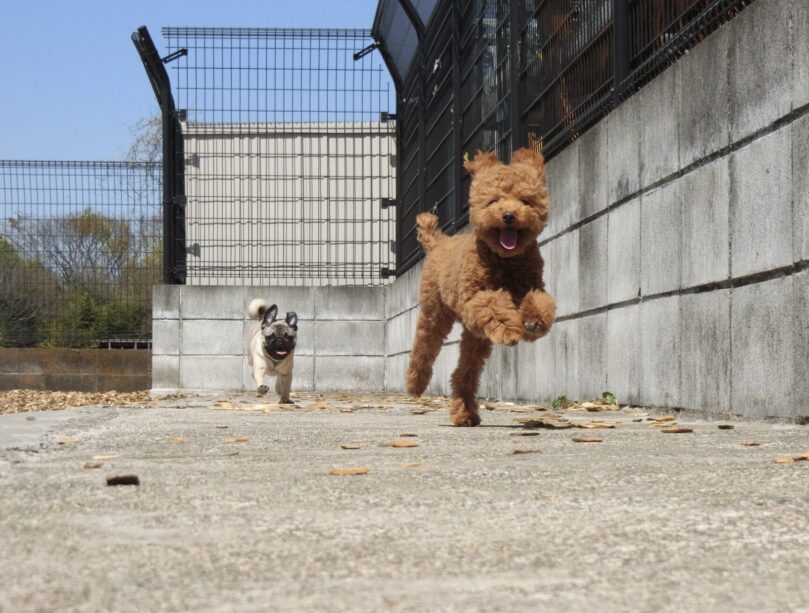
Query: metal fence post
point(621, 54)
point(173, 163)
point(519, 138)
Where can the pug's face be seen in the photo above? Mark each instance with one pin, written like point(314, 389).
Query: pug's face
point(279, 335)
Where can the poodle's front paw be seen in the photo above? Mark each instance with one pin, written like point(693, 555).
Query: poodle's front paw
point(262, 389)
point(538, 312)
point(507, 332)
point(463, 414)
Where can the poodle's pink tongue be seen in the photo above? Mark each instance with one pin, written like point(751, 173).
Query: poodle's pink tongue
point(508, 238)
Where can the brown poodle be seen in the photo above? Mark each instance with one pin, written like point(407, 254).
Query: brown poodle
point(489, 280)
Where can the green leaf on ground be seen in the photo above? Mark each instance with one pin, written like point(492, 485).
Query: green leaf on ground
point(560, 402)
point(609, 398)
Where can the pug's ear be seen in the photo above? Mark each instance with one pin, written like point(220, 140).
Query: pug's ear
point(269, 315)
point(292, 320)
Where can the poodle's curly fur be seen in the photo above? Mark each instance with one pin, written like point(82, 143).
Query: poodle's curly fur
point(489, 280)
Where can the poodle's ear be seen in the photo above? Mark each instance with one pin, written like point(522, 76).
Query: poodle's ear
point(530, 158)
point(481, 160)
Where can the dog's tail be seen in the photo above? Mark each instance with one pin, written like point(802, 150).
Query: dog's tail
point(428, 232)
point(257, 308)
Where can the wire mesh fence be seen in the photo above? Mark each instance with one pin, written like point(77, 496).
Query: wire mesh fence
point(289, 162)
point(503, 74)
point(80, 248)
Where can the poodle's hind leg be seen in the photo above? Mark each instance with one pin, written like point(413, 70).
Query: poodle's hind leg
point(432, 328)
point(466, 378)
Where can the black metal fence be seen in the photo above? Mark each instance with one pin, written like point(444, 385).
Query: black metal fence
point(80, 247)
point(503, 74)
point(287, 159)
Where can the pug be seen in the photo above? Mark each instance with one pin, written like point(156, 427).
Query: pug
point(272, 347)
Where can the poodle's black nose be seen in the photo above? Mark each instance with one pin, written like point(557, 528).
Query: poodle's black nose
point(508, 218)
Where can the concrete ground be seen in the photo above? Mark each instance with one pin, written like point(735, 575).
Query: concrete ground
point(236, 511)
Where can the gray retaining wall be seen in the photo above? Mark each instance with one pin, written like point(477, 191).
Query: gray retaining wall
point(677, 252)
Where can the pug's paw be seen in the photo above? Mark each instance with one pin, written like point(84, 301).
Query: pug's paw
point(263, 389)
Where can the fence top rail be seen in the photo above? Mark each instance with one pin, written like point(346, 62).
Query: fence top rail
point(134, 165)
point(200, 32)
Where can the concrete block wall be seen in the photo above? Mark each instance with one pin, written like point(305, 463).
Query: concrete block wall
point(678, 240)
point(677, 251)
point(200, 335)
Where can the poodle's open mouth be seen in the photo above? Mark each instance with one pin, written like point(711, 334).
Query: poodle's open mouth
point(508, 237)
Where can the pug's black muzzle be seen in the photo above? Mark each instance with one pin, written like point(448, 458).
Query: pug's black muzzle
point(278, 348)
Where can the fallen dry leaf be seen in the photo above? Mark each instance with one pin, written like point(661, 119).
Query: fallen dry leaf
point(789, 459)
point(662, 418)
point(419, 411)
point(93, 464)
point(407, 434)
point(349, 446)
point(638, 419)
point(412, 465)
point(238, 439)
point(524, 451)
point(749, 443)
point(725, 427)
point(346, 410)
point(525, 434)
point(586, 439)
point(550, 421)
point(105, 456)
point(489, 406)
point(359, 470)
point(401, 443)
point(123, 480)
point(223, 404)
point(67, 441)
point(176, 440)
point(222, 427)
point(676, 430)
point(595, 425)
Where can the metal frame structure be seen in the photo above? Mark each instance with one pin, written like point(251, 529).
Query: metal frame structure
point(279, 157)
point(503, 74)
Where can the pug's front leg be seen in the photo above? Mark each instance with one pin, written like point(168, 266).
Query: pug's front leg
point(283, 384)
point(259, 370)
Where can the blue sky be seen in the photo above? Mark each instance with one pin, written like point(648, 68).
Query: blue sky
point(71, 84)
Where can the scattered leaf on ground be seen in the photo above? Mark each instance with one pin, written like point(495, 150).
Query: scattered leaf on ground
point(65, 442)
point(401, 443)
point(238, 439)
point(222, 427)
point(524, 451)
point(789, 459)
point(349, 446)
point(419, 411)
point(749, 443)
point(346, 410)
point(595, 425)
point(489, 406)
point(223, 404)
point(105, 456)
point(408, 434)
point(93, 464)
point(676, 430)
point(662, 418)
point(586, 439)
point(358, 470)
point(550, 421)
point(176, 440)
point(123, 480)
point(638, 419)
point(412, 465)
point(725, 427)
point(525, 434)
